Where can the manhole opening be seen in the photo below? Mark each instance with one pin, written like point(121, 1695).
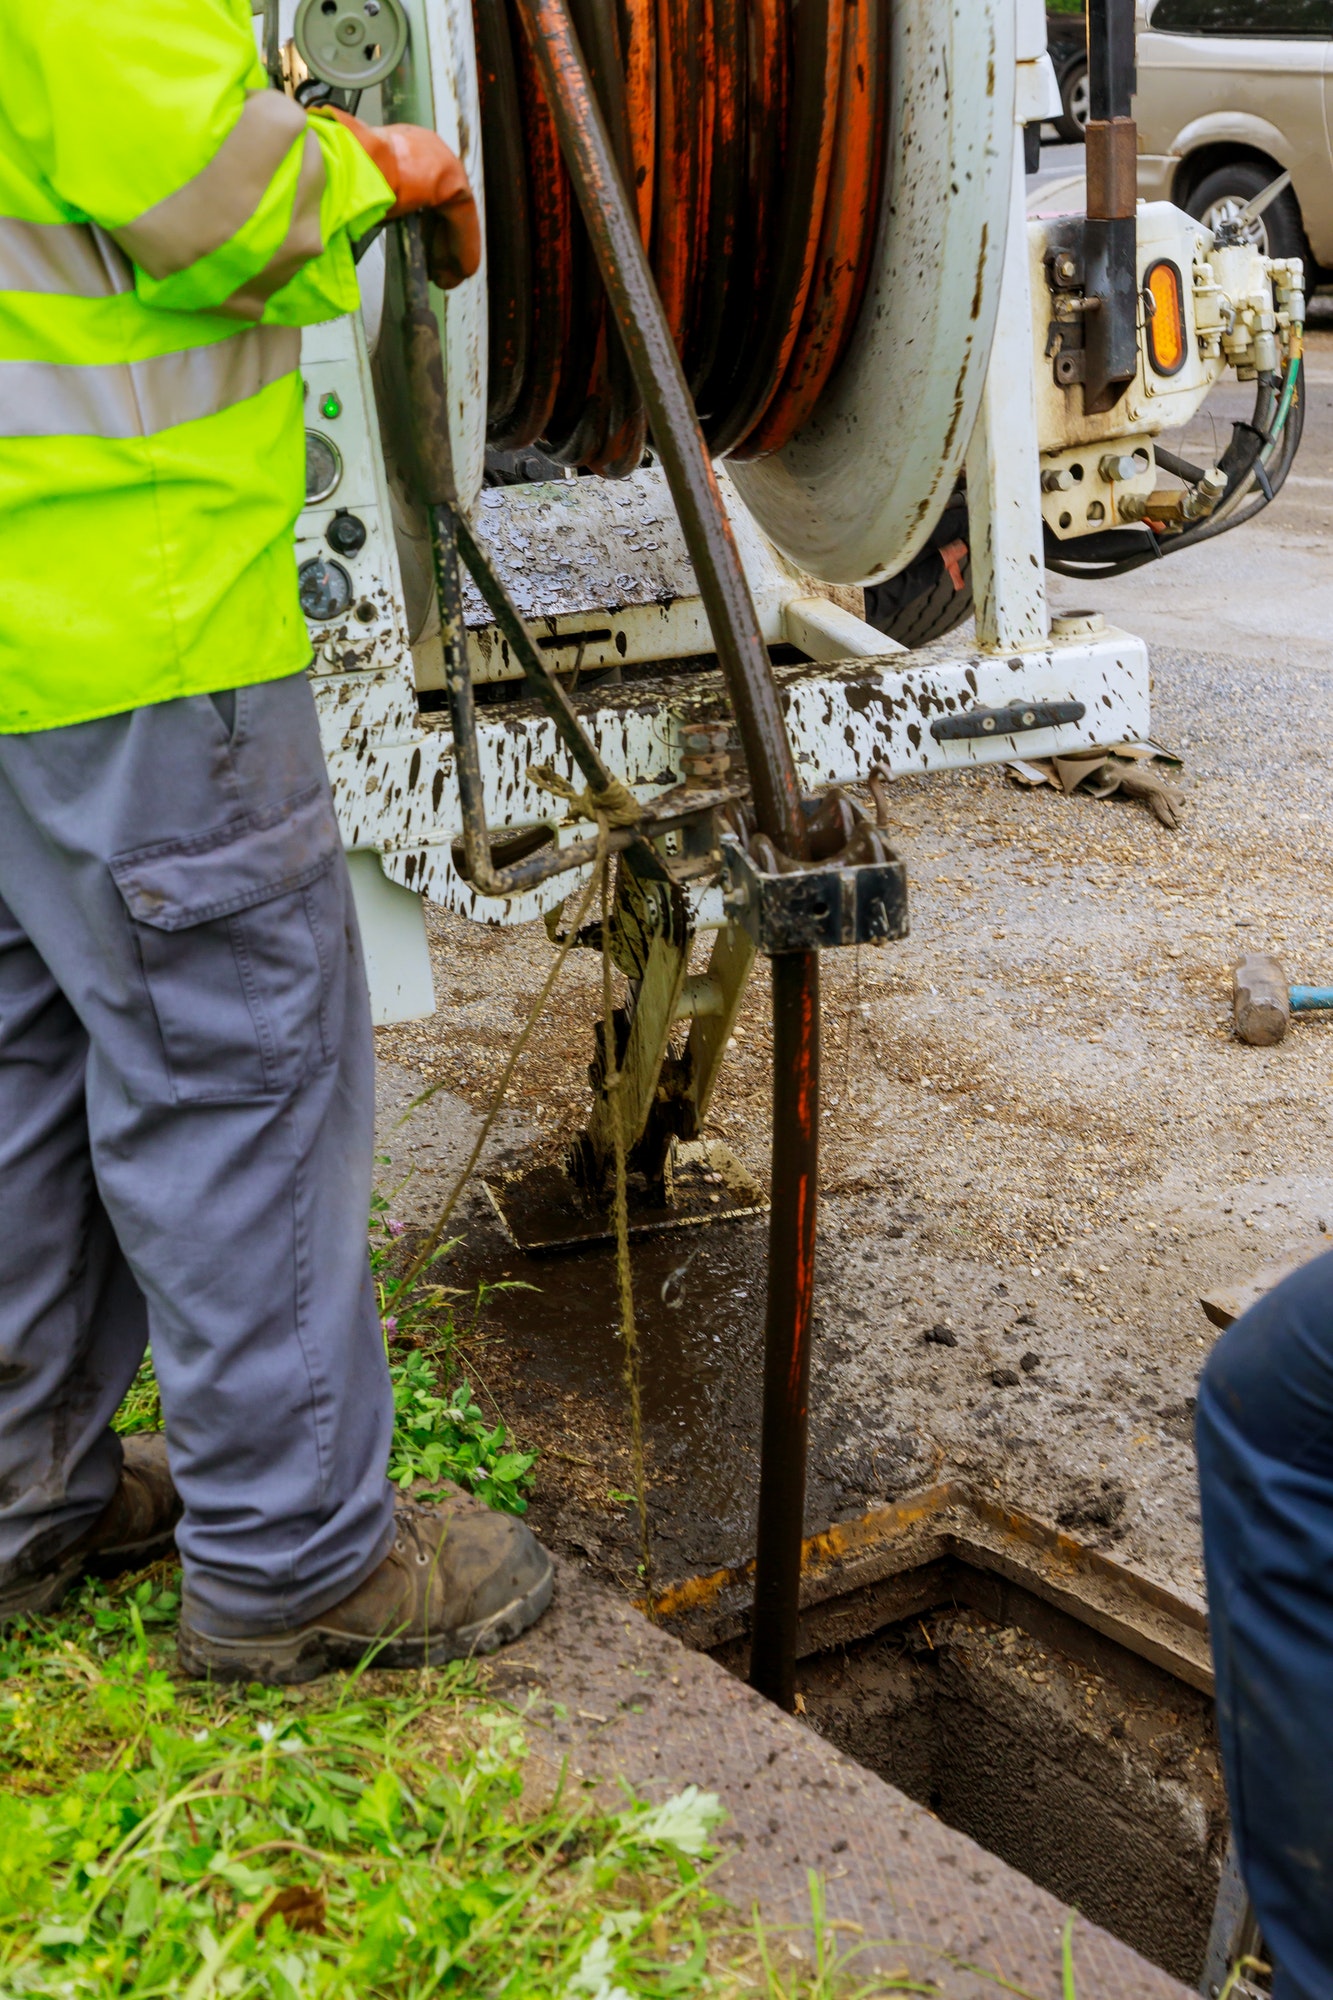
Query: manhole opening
point(1092, 1770)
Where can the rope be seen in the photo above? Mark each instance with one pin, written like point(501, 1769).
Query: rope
point(613, 802)
point(629, 1331)
point(598, 882)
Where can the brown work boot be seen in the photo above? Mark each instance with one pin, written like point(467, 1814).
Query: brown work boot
point(137, 1525)
point(458, 1580)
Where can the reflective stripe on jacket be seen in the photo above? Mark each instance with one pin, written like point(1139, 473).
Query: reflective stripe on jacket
point(168, 223)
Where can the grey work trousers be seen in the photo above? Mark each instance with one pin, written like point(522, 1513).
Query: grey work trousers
point(186, 1146)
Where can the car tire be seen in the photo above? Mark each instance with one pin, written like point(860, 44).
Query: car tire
point(934, 593)
point(1231, 187)
point(1073, 120)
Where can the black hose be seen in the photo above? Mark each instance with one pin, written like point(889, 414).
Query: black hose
point(1273, 477)
point(1179, 468)
point(1113, 552)
point(1118, 551)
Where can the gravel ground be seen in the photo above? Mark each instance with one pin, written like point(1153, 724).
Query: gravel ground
point(1042, 1143)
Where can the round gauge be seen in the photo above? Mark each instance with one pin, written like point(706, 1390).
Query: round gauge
point(352, 44)
point(326, 590)
point(323, 468)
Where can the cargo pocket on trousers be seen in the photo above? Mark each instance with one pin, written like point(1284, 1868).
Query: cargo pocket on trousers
point(241, 936)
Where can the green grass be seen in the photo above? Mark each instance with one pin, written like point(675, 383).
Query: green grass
point(440, 1430)
point(373, 1837)
point(158, 1838)
point(379, 1837)
point(142, 1407)
point(370, 1837)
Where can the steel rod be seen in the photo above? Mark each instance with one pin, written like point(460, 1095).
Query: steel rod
point(791, 1282)
point(481, 870)
point(1111, 64)
point(1111, 236)
point(535, 670)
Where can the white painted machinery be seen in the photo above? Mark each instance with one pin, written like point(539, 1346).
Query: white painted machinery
point(966, 366)
point(790, 237)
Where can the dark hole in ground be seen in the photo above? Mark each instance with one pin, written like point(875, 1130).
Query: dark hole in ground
point(699, 1307)
point(1089, 1769)
point(556, 1363)
point(1053, 1746)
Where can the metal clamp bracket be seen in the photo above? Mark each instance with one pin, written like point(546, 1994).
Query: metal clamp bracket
point(814, 909)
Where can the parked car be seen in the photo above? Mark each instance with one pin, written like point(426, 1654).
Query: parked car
point(1229, 93)
point(1067, 43)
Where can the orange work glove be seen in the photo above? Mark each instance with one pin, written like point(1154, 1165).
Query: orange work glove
point(426, 177)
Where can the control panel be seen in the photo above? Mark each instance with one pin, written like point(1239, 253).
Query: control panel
point(346, 557)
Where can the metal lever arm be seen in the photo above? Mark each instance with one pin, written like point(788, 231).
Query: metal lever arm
point(445, 534)
point(535, 670)
point(1233, 230)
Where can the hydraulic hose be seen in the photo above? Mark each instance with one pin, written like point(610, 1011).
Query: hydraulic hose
point(1263, 449)
point(752, 138)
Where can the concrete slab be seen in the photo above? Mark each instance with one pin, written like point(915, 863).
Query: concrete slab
point(615, 1699)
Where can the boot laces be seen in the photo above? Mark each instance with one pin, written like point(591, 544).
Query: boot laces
point(411, 1537)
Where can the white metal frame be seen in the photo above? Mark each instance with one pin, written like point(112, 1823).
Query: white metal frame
point(862, 703)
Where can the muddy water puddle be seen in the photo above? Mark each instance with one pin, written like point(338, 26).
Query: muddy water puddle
point(699, 1304)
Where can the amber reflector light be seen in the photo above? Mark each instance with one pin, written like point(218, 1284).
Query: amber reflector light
point(1166, 318)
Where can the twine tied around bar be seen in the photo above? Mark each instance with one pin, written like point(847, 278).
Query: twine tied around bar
point(613, 803)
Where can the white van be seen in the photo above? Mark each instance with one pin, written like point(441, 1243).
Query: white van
point(1230, 93)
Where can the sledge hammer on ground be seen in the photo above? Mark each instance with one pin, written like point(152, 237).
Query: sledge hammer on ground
point(1263, 1002)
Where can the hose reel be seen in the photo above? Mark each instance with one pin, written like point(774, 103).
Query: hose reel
point(831, 268)
point(822, 191)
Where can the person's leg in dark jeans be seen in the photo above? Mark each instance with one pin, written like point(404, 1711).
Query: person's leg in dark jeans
point(1265, 1442)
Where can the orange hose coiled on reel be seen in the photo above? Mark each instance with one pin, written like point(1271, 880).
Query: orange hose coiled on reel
point(751, 135)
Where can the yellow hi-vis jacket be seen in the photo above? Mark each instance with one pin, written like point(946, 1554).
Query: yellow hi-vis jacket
point(167, 224)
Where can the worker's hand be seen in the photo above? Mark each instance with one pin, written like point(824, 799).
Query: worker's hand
point(427, 178)
point(453, 240)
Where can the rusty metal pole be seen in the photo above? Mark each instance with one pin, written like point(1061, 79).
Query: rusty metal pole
point(791, 1287)
point(743, 657)
point(1111, 334)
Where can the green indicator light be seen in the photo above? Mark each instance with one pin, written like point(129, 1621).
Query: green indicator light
point(331, 407)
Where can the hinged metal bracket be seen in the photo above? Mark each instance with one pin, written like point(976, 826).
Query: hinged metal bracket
point(814, 909)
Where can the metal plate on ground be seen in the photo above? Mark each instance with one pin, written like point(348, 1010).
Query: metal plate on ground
point(545, 1214)
point(844, 1568)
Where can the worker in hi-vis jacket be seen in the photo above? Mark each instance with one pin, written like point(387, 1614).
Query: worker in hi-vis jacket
point(1264, 1427)
point(185, 1044)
